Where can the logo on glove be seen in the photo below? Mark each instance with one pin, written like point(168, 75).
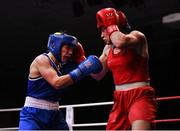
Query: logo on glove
point(88, 64)
point(109, 14)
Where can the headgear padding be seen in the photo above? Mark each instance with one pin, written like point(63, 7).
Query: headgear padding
point(106, 17)
point(109, 16)
point(57, 40)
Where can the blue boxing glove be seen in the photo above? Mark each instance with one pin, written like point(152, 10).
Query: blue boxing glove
point(91, 65)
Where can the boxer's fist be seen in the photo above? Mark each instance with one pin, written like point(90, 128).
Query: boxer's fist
point(110, 29)
point(90, 65)
point(79, 54)
point(108, 19)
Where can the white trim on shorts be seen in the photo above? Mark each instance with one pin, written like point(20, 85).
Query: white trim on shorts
point(41, 104)
point(129, 86)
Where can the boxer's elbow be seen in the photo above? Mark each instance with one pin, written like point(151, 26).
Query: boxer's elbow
point(56, 84)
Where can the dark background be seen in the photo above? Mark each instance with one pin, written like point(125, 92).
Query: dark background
point(26, 24)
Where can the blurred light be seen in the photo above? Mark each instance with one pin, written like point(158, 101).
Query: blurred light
point(172, 20)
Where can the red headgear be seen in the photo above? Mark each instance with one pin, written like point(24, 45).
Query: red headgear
point(109, 16)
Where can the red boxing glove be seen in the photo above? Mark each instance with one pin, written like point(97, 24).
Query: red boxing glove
point(107, 17)
point(79, 54)
point(110, 29)
point(110, 17)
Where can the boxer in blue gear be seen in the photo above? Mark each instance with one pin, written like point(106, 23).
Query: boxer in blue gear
point(49, 73)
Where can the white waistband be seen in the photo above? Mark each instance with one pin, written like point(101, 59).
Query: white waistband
point(41, 104)
point(130, 86)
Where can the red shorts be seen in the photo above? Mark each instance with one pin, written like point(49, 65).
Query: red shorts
point(131, 105)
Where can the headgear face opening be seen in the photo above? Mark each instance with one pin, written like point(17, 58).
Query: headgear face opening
point(57, 40)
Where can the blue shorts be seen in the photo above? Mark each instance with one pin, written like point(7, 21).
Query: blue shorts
point(39, 119)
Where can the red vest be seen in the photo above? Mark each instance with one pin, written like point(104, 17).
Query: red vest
point(127, 66)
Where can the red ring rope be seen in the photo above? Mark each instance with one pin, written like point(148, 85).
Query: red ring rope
point(167, 120)
point(167, 98)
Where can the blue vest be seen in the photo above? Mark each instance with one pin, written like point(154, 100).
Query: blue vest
point(39, 88)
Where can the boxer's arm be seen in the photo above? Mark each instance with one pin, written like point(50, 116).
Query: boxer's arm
point(141, 45)
point(50, 75)
point(135, 39)
point(120, 39)
point(103, 59)
point(90, 65)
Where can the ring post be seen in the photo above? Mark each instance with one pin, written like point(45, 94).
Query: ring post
point(70, 117)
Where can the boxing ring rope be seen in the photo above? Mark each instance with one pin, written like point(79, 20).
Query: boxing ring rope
point(70, 113)
point(167, 98)
point(166, 120)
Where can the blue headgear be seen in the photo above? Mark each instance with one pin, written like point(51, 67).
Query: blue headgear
point(57, 40)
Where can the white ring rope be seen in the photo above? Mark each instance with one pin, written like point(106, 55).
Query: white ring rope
point(90, 124)
point(9, 110)
point(89, 104)
point(70, 112)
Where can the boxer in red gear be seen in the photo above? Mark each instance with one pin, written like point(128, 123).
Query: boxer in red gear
point(126, 56)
